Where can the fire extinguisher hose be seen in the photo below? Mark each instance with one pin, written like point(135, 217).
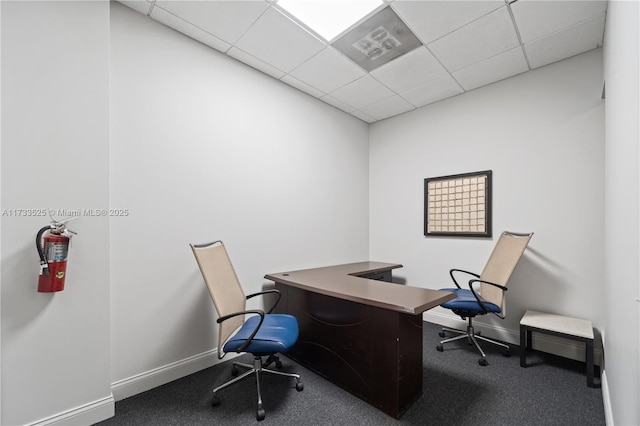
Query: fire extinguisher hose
point(43, 261)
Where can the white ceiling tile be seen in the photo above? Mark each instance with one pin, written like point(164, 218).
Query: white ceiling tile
point(277, 40)
point(430, 20)
point(227, 20)
point(292, 81)
point(255, 63)
point(364, 117)
point(362, 92)
point(538, 18)
point(189, 29)
point(338, 104)
point(388, 108)
point(490, 70)
point(437, 90)
point(141, 6)
point(569, 42)
point(492, 34)
point(410, 70)
point(328, 70)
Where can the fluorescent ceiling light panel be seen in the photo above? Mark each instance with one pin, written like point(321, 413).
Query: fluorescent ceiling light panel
point(329, 17)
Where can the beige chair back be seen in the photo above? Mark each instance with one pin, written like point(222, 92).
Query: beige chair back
point(500, 266)
point(224, 287)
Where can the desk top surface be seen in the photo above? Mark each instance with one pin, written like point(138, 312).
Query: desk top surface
point(346, 282)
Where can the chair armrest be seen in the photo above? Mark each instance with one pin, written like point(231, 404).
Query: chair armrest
point(472, 282)
point(235, 314)
point(463, 271)
point(265, 292)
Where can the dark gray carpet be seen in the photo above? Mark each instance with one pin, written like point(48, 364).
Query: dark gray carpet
point(456, 391)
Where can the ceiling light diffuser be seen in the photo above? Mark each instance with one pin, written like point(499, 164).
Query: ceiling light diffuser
point(329, 18)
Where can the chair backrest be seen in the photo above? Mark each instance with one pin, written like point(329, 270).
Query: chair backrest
point(501, 263)
point(224, 286)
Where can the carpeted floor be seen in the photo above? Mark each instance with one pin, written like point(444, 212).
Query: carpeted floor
point(456, 391)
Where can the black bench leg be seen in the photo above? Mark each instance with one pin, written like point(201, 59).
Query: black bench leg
point(523, 346)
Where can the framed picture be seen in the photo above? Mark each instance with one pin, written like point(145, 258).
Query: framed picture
point(458, 205)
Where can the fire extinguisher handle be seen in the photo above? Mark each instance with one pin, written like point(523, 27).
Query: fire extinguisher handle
point(44, 266)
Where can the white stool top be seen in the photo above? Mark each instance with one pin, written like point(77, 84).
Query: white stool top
point(558, 323)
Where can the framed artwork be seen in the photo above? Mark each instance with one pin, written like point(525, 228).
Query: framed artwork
point(458, 205)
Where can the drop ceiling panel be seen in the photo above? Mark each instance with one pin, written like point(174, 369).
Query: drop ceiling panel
point(362, 92)
point(538, 18)
point(364, 117)
point(328, 71)
point(488, 36)
point(338, 104)
point(569, 42)
point(434, 91)
point(410, 70)
point(227, 20)
point(430, 20)
point(141, 6)
point(461, 45)
point(280, 42)
point(490, 70)
point(388, 108)
point(189, 29)
point(301, 85)
point(256, 63)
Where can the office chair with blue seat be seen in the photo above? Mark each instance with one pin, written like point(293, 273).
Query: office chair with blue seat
point(488, 295)
point(261, 334)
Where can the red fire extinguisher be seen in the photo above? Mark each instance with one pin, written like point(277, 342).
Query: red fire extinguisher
point(53, 250)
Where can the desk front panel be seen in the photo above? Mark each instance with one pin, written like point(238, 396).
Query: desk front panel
point(374, 353)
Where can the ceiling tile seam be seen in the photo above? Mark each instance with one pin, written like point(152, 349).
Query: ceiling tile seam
point(425, 43)
point(233, 44)
point(192, 25)
point(517, 30)
point(604, 14)
point(257, 59)
point(296, 21)
point(321, 51)
point(464, 89)
point(361, 21)
point(151, 6)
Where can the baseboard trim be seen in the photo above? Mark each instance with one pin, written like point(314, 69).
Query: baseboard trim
point(142, 382)
point(87, 414)
point(546, 343)
point(606, 398)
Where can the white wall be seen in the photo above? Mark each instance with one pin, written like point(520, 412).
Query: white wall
point(542, 134)
point(206, 148)
point(55, 151)
point(622, 243)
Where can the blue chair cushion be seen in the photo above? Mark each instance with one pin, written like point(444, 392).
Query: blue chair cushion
point(277, 333)
point(466, 301)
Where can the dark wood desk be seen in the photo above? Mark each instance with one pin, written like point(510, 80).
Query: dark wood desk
point(358, 331)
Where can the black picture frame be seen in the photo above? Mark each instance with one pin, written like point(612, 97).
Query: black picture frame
point(458, 205)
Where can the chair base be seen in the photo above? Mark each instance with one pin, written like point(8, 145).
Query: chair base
point(257, 368)
point(472, 336)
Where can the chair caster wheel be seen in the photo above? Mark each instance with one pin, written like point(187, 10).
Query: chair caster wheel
point(441, 334)
point(215, 401)
point(506, 353)
point(234, 371)
point(483, 362)
point(260, 414)
point(439, 348)
point(299, 386)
